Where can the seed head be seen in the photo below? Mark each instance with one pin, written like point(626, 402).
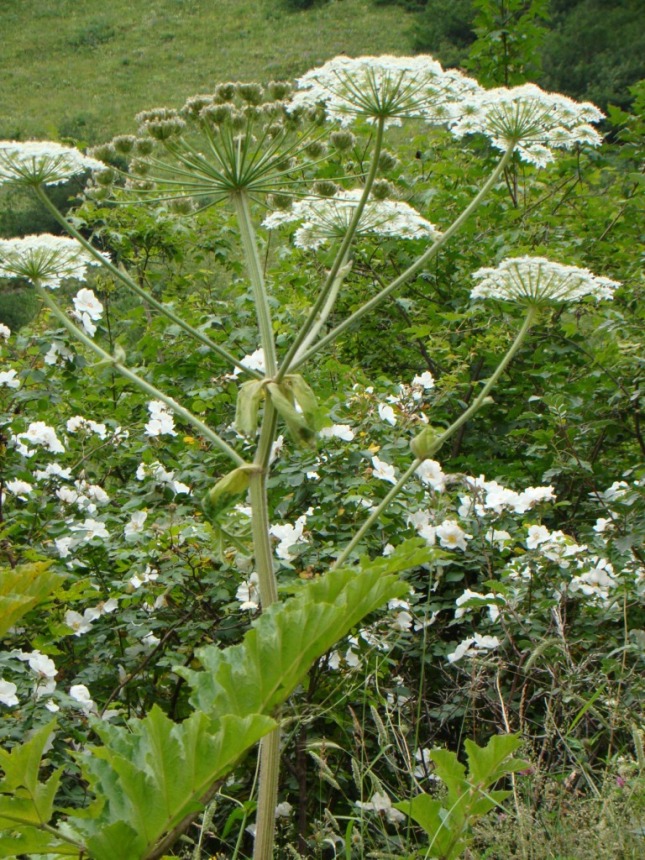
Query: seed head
point(251, 93)
point(279, 90)
point(123, 143)
point(343, 140)
point(325, 188)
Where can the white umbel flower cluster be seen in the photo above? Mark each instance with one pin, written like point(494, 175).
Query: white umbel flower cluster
point(327, 218)
point(384, 87)
point(536, 280)
point(535, 121)
point(44, 259)
point(42, 162)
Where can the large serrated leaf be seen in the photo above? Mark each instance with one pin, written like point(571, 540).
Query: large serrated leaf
point(488, 764)
point(22, 588)
point(155, 773)
point(431, 814)
point(23, 799)
point(274, 657)
point(31, 842)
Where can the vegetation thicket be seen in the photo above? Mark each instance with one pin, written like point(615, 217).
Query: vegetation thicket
point(321, 429)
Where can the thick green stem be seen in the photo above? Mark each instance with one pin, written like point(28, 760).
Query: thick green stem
point(135, 288)
point(149, 389)
point(411, 270)
point(270, 745)
point(340, 260)
point(441, 439)
point(254, 267)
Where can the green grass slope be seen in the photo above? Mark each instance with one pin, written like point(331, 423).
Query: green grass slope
point(83, 68)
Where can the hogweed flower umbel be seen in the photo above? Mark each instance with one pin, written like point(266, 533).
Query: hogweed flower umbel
point(536, 281)
point(44, 259)
point(534, 121)
point(386, 88)
point(42, 162)
point(328, 219)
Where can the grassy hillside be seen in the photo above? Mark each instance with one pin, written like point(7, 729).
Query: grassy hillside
point(82, 68)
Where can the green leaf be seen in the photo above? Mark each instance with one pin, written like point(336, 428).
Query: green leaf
point(32, 842)
point(304, 396)
point(296, 422)
point(225, 491)
point(432, 815)
point(23, 588)
point(426, 443)
point(248, 403)
point(263, 670)
point(490, 763)
point(23, 799)
point(155, 773)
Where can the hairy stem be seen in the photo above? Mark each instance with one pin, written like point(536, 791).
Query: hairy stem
point(295, 349)
point(254, 267)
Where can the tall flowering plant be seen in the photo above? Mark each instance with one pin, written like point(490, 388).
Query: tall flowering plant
point(253, 149)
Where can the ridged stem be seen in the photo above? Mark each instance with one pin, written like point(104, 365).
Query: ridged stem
point(254, 267)
point(291, 359)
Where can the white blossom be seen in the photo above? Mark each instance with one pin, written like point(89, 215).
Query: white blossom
point(288, 535)
point(425, 381)
point(337, 431)
point(536, 280)
point(387, 87)
point(92, 529)
point(44, 259)
point(536, 536)
point(327, 219)
point(254, 361)
point(81, 694)
point(382, 470)
point(157, 472)
point(283, 810)
point(38, 433)
point(80, 624)
point(430, 472)
point(473, 647)
point(148, 575)
point(5, 331)
point(535, 121)
point(86, 425)
point(451, 535)
point(55, 351)
point(248, 593)
point(63, 546)
point(8, 693)
point(386, 413)
point(382, 803)
point(8, 379)
point(53, 470)
point(161, 419)
point(42, 162)
point(136, 524)
point(87, 309)
point(19, 488)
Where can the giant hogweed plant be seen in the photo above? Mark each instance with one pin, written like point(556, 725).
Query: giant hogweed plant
point(254, 148)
